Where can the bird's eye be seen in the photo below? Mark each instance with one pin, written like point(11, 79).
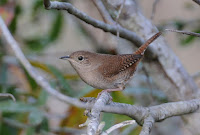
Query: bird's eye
point(80, 58)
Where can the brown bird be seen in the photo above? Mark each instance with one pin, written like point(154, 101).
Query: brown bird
point(104, 71)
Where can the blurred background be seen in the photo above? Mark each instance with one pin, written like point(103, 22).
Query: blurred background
point(46, 35)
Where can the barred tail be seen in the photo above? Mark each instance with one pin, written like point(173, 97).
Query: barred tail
point(142, 48)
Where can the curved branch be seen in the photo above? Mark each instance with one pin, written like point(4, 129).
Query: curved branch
point(8, 95)
point(119, 125)
point(104, 13)
point(155, 3)
point(197, 1)
point(157, 112)
point(184, 32)
point(37, 77)
point(123, 33)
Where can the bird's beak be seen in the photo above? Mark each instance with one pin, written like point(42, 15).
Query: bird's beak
point(65, 57)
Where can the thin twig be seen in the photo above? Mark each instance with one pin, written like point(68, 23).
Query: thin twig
point(155, 3)
point(184, 32)
point(8, 95)
point(117, 19)
point(100, 127)
point(129, 129)
point(103, 11)
point(119, 125)
point(85, 123)
point(197, 1)
point(148, 83)
point(119, 11)
point(124, 33)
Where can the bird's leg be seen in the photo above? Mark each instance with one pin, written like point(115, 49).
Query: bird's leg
point(110, 90)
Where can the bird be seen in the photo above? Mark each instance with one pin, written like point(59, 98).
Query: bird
point(105, 71)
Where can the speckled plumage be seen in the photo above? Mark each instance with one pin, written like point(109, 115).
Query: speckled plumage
point(104, 71)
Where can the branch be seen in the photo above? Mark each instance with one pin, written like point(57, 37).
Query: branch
point(94, 116)
point(119, 11)
point(158, 112)
point(154, 8)
point(147, 126)
point(104, 13)
point(119, 125)
point(184, 32)
point(197, 1)
point(8, 95)
point(123, 33)
point(33, 73)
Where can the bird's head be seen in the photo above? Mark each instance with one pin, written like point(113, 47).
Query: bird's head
point(81, 59)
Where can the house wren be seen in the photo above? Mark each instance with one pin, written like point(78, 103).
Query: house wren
point(104, 71)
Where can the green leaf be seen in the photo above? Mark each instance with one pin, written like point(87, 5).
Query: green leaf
point(44, 125)
point(179, 24)
point(45, 68)
point(7, 130)
point(37, 43)
point(189, 39)
point(109, 119)
point(56, 27)
point(30, 131)
point(42, 97)
point(13, 24)
point(37, 5)
point(119, 96)
point(16, 107)
point(31, 81)
point(35, 117)
point(3, 73)
point(65, 87)
point(3, 2)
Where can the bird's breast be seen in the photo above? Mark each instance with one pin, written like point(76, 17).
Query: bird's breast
point(97, 80)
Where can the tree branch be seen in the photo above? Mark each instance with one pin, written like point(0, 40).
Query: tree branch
point(104, 13)
point(147, 126)
point(197, 1)
point(123, 33)
point(8, 95)
point(184, 32)
point(158, 112)
point(94, 116)
point(119, 125)
point(154, 8)
point(33, 73)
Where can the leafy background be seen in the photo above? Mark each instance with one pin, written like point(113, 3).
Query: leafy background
point(44, 36)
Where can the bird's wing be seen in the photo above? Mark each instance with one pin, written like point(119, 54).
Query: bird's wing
point(119, 64)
